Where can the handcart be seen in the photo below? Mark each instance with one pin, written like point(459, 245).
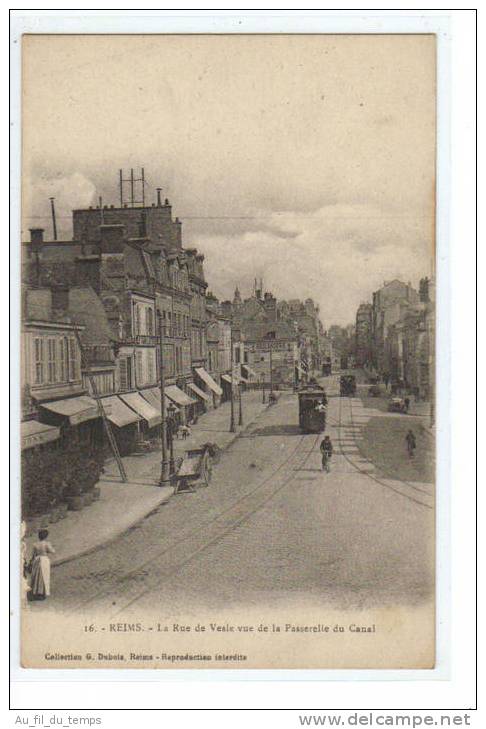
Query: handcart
point(195, 470)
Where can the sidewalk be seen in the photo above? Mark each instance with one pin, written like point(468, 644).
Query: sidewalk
point(122, 505)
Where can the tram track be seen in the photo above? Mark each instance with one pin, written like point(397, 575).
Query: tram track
point(180, 552)
point(420, 500)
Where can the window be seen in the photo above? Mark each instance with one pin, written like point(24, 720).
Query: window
point(149, 320)
point(245, 357)
point(136, 321)
point(64, 350)
point(51, 360)
point(72, 359)
point(39, 361)
point(139, 367)
point(123, 370)
point(150, 366)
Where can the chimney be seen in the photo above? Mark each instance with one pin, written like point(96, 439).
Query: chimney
point(159, 202)
point(37, 236)
point(178, 232)
point(142, 226)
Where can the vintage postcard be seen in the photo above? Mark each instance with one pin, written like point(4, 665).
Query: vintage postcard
point(228, 351)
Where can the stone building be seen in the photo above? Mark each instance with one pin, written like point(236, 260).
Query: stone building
point(363, 347)
point(389, 305)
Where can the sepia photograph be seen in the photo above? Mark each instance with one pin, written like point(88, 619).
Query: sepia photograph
point(228, 326)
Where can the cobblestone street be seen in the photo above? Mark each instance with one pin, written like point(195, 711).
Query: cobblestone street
point(270, 529)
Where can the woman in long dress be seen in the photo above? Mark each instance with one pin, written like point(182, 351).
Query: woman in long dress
point(40, 581)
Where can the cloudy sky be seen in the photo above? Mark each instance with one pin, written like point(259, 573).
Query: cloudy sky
point(305, 160)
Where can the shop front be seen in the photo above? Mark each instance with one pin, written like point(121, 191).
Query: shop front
point(78, 419)
point(126, 422)
point(229, 383)
point(210, 386)
point(202, 400)
point(150, 416)
point(183, 401)
point(34, 434)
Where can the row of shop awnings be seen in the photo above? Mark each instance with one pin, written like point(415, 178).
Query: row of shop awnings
point(121, 410)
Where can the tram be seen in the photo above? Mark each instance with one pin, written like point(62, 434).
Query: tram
point(347, 385)
point(312, 409)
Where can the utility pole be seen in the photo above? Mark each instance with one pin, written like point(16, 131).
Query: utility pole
point(164, 466)
point(53, 212)
point(232, 404)
point(271, 370)
point(240, 414)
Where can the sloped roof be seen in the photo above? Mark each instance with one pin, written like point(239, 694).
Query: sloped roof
point(85, 308)
point(262, 330)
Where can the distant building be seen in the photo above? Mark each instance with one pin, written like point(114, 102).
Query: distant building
point(389, 305)
point(364, 323)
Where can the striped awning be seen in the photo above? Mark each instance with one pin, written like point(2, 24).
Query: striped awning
point(143, 408)
point(118, 413)
point(200, 393)
point(152, 395)
point(75, 409)
point(210, 382)
point(178, 395)
point(33, 433)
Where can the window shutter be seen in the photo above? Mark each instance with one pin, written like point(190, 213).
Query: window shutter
point(72, 359)
point(122, 367)
point(139, 367)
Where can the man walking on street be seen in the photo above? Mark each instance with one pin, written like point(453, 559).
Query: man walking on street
point(326, 450)
point(411, 443)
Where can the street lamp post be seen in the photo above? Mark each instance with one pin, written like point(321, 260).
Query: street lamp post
point(164, 466)
point(232, 404)
point(240, 413)
point(170, 422)
point(271, 371)
point(263, 387)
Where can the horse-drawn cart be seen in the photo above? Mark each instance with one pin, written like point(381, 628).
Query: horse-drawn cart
point(194, 470)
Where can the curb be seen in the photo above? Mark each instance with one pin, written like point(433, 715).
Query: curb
point(126, 528)
point(140, 518)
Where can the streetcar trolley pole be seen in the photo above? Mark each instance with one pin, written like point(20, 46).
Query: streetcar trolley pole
point(232, 404)
point(240, 414)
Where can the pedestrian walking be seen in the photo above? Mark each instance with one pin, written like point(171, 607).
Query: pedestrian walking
point(40, 567)
point(326, 450)
point(411, 443)
point(406, 402)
